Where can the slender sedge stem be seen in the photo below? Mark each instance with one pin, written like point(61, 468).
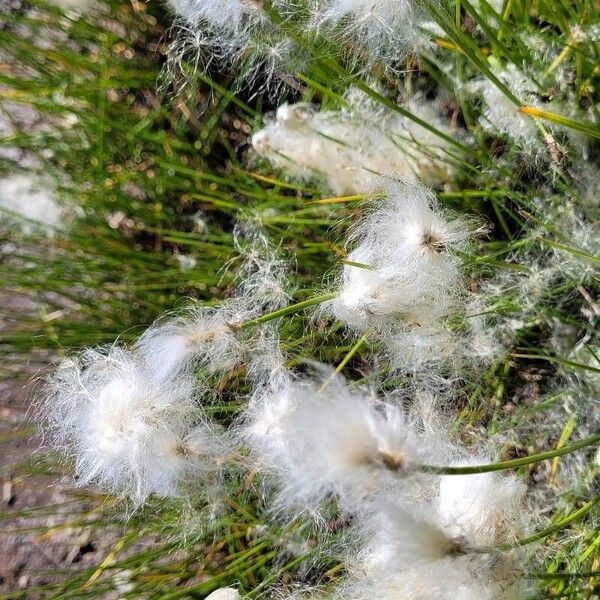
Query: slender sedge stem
point(587, 128)
point(351, 353)
point(574, 516)
point(510, 464)
point(344, 361)
point(352, 263)
point(285, 311)
point(574, 251)
point(338, 199)
point(540, 535)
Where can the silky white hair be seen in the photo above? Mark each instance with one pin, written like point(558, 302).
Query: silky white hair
point(126, 433)
point(402, 278)
point(351, 150)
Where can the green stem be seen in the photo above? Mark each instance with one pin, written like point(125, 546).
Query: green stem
point(351, 353)
point(575, 251)
point(509, 464)
point(344, 361)
point(286, 310)
point(540, 535)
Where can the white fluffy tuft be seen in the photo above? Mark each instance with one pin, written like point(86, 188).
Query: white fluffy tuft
point(126, 433)
point(323, 439)
point(387, 29)
point(403, 278)
point(229, 15)
point(482, 509)
point(207, 337)
point(204, 336)
point(349, 150)
point(418, 550)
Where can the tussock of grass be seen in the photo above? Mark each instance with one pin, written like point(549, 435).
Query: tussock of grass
point(148, 182)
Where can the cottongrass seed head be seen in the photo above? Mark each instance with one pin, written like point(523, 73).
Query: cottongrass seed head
point(207, 337)
point(483, 509)
point(229, 15)
point(425, 549)
point(126, 433)
point(402, 277)
point(387, 29)
point(319, 438)
point(351, 150)
point(200, 336)
point(233, 32)
point(402, 262)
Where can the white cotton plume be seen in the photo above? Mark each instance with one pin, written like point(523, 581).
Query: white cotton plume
point(440, 580)
point(483, 509)
point(408, 215)
point(201, 336)
point(233, 32)
point(264, 424)
point(209, 30)
point(386, 29)
point(412, 553)
point(226, 14)
point(350, 151)
point(402, 276)
point(208, 337)
point(319, 439)
point(125, 432)
point(397, 285)
point(241, 31)
point(401, 538)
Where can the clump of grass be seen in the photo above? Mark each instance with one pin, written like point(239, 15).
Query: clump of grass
point(153, 193)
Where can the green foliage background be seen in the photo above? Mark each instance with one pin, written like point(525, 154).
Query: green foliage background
point(135, 167)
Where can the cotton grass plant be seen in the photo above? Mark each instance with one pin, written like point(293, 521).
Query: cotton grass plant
point(376, 375)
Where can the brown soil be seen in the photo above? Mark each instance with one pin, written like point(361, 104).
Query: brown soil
point(35, 544)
